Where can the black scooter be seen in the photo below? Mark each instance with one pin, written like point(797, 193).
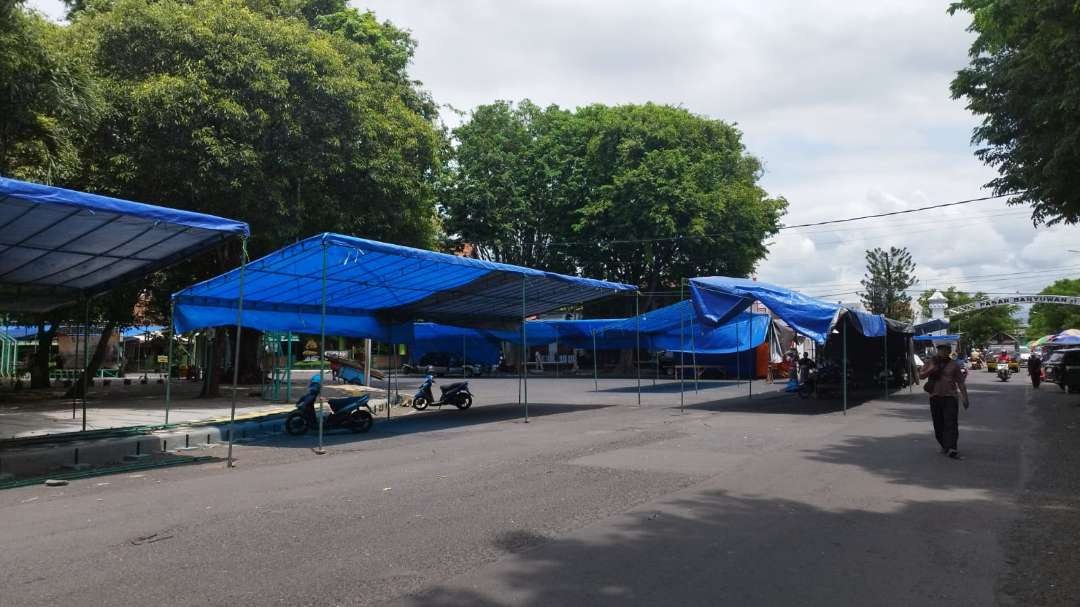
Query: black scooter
point(352, 412)
point(456, 394)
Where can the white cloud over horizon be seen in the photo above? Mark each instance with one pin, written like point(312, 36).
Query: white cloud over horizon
point(846, 104)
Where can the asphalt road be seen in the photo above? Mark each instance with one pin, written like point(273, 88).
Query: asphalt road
point(769, 501)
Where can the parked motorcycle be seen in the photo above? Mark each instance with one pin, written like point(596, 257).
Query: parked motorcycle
point(1003, 372)
point(352, 412)
point(456, 394)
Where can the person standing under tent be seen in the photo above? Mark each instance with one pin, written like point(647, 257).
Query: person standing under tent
point(805, 364)
point(945, 384)
point(1034, 367)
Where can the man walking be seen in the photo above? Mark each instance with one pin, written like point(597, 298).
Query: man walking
point(945, 384)
point(1035, 370)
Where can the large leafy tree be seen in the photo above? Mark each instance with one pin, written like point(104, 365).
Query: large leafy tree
point(296, 116)
point(48, 99)
point(49, 105)
point(978, 326)
point(248, 111)
point(1024, 82)
point(1047, 319)
point(645, 194)
point(889, 274)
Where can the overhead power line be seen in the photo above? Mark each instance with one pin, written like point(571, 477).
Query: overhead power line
point(902, 212)
point(781, 228)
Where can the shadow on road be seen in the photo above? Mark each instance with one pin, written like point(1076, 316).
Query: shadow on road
point(436, 420)
point(648, 558)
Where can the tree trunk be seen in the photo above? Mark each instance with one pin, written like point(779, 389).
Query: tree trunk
point(102, 348)
point(39, 366)
point(211, 387)
point(250, 372)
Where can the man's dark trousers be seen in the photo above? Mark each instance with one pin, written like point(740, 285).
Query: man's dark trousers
point(946, 412)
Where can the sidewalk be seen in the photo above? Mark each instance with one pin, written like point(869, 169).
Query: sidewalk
point(127, 423)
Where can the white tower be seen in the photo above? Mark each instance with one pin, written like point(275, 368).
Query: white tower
point(938, 304)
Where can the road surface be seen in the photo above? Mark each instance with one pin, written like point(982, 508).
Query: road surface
point(734, 501)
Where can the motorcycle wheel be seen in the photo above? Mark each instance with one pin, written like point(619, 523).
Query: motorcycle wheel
point(296, 424)
point(361, 422)
point(420, 403)
point(464, 402)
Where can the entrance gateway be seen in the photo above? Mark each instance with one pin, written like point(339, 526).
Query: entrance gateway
point(982, 304)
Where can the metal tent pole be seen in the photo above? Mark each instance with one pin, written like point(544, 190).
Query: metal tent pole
point(464, 356)
point(844, 356)
point(86, 357)
point(595, 381)
point(288, 367)
point(524, 349)
point(168, 364)
point(738, 356)
point(885, 349)
point(682, 349)
point(322, 349)
point(556, 351)
point(367, 362)
point(74, 396)
point(236, 351)
point(693, 353)
point(637, 343)
point(753, 364)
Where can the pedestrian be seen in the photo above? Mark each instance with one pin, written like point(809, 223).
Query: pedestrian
point(945, 384)
point(1035, 370)
point(805, 364)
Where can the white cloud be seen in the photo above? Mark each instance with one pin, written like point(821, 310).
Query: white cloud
point(846, 103)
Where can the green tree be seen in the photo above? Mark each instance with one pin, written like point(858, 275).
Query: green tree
point(295, 116)
point(220, 108)
point(1024, 83)
point(978, 326)
point(645, 194)
point(48, 99)
point(889, 274)
point(1048, 319)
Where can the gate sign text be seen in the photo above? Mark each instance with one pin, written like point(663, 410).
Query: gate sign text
point(1014, 299)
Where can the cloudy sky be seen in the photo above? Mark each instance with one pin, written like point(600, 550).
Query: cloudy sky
point(846, 103)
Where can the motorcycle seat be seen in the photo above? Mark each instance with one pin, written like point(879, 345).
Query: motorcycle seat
point(453, 386)
point(337, 404)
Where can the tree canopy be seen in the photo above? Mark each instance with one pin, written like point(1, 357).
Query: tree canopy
point(221, 107)
point(888, 276)
point(645, 194)
point(1024, 83)
point(1048, 319)
point(49, 101)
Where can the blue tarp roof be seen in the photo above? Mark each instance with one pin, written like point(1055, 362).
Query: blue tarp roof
point(718, 298)
point(744, 332)
point(372, 285)
point(59, 245)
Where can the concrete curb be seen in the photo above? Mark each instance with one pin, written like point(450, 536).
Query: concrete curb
point(75, 455)
point(43, 458)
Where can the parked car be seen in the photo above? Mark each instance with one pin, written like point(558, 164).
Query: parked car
point(1063, 369)
point(441, 364)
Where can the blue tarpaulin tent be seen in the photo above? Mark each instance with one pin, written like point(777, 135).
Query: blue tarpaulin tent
point(668, 327)
point(718, 298)
point(474, 346)
point(376, 290)
point(58, 246)
point(351, 286)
